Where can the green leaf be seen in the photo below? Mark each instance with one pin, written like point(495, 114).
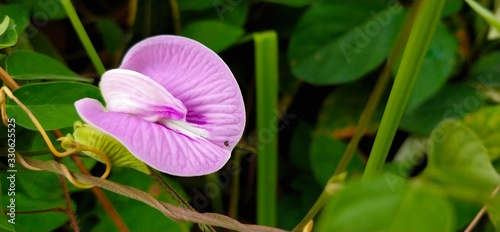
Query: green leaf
point(135, 214)
point(457, 157)
point(493, 208)
point(112, 34)
point(452, 101)
point(52, 103)
point(385, 207)
point(343, 46)
point(485, 123)
point(34, 192)
point(28, 65)
point(451, 7)
point(485, 66)
point(20, 13)
point(8, 34)
point(325, 155)
point(42, 44)
point(37, 144)
point(215, 35)
point(4, 223)
point(436, 68)
point(46, 10)
point(4, 220)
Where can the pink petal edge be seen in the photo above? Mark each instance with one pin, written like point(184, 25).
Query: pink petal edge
point(155, 145)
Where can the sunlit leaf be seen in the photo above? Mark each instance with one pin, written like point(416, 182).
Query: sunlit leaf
point(458, 158)
point(486, 124)
point(51, 103)
point(28, 65)
point(385, 207)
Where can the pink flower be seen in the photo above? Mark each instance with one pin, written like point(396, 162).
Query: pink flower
point(173, 103)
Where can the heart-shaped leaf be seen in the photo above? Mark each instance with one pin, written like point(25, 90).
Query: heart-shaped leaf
point(28, 65)
point(486, 124)
point(385, 207)
point(52, 103)
point(457, 158)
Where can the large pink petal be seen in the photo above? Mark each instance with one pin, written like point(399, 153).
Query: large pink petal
point(154, 144)
point(196, 76)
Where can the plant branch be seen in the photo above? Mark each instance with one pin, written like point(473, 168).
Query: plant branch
point(108, 207)
point(176, 213)
point(67, 199)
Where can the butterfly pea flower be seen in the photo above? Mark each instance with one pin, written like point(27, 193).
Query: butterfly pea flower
point(173, 103)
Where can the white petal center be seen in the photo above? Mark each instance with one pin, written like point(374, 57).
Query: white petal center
point(133, 93)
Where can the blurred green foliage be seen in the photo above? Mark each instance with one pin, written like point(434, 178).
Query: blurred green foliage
point(331, 54)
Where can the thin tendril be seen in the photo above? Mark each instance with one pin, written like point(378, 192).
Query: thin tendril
point(77, 147)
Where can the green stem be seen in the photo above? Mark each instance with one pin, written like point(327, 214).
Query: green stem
point(84, 38)
point(426, 21)
point(333, 185)
point(266, 71)
point(377, 94)
point(366, 116)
